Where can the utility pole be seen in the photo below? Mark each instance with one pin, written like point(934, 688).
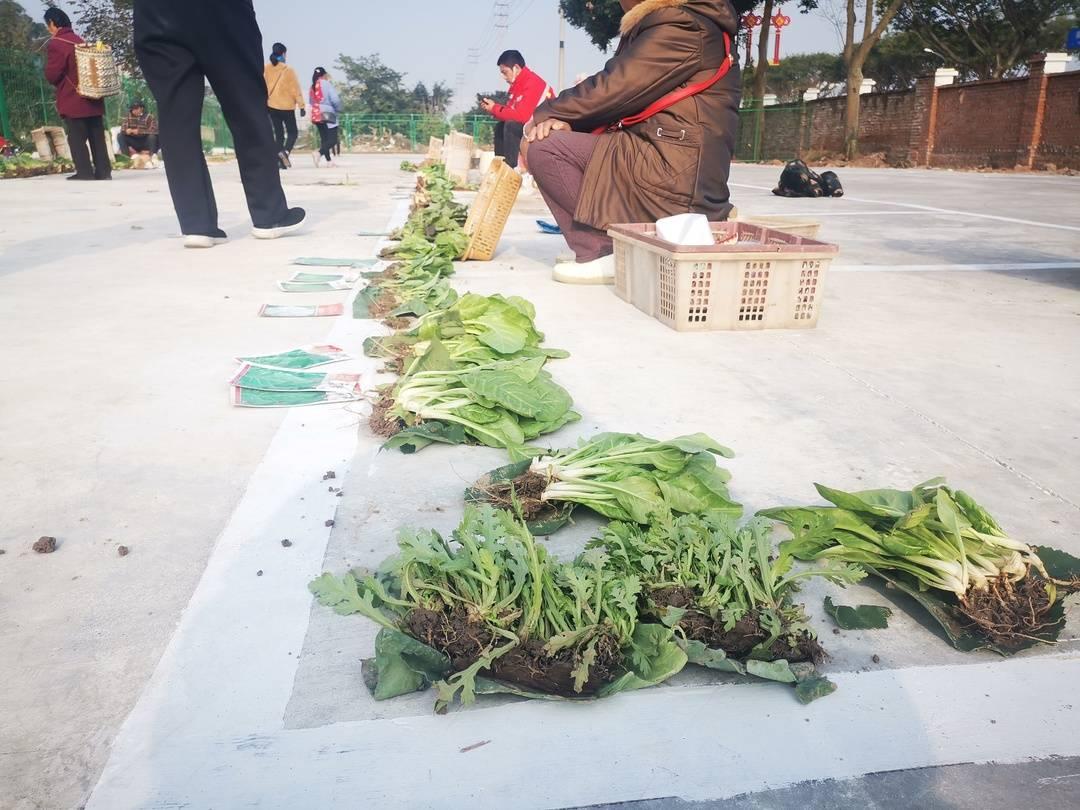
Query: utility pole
point(562, 50)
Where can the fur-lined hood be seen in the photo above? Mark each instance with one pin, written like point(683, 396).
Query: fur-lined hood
point(719, 11)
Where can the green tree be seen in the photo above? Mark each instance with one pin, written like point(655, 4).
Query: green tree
point(898, 60)
point(18, 29)
point(598, 18)
point(367, 85)
point(498, 96)
point(988, 39)
point(108, 21)
point(797, 73)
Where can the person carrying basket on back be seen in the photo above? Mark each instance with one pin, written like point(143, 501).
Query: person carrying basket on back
point(649, 136)
point(84, 118)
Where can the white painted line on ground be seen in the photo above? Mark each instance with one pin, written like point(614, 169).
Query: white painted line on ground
point(955, 268)
point(932, 209)
point(815, 214)
point(695, 743)
point(232, 662)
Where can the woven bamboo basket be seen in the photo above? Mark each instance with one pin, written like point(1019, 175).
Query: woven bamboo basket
point(98, 75)
point(490, 211)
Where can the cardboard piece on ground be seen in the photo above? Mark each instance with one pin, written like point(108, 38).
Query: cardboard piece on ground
point(251, 398)
point(313, 286)
point(274, 379)
point(316, 278)
point(307, 311)
point(319, 261)
point(299, 359)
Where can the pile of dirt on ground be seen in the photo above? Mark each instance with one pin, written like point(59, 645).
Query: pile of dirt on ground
point(381, 422)
point(740, 640)
point(464, 639)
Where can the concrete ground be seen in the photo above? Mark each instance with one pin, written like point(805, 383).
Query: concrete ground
point(946, 345)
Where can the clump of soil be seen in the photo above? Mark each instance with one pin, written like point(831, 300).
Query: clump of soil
point(382, 306)
point(464, 638)
point(123, 551)
point(45, 545)
point(381, 422)
point(1008, 613)
point(397, 322)
point(740, 640)
point(527, 489)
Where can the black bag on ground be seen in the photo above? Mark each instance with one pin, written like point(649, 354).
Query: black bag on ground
point(799, 180)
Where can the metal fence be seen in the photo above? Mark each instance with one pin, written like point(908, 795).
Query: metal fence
point(27, 102)
point(775, 132)
point(408, 132)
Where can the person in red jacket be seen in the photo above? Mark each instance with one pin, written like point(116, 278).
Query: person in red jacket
point(527, 91)
point(84, 118)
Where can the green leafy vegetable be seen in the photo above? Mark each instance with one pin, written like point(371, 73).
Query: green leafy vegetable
point(491, 605)
point(860, 617)
point(986, 589)
point(624, 477)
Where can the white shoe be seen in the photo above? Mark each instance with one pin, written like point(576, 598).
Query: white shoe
point(294, 220)
point(598, 271)
point(200, 240)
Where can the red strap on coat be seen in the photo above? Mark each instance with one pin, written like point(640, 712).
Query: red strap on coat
point(671, 99)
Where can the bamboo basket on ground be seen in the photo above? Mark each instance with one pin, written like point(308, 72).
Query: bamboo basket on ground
point(490, 211)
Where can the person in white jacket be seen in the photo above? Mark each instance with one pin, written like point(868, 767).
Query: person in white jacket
point(325, 104)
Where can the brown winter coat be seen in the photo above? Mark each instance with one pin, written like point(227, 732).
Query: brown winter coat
point(678, 160)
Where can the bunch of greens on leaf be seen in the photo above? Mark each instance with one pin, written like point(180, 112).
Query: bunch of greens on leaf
point(622, 476)
point(728, 597)
point(413, 287)
point(435, 225)
point(987, 589)
point(499, 404)
point(490, 612)
point(475, 330)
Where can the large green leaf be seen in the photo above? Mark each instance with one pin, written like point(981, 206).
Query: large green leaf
point(653, 657)
point(412, 439)
point(505, 330)
point(404, 665)
point(363, 301)
point(880, 502)
point(639, 497)
point(860, 617)
point(699, 442)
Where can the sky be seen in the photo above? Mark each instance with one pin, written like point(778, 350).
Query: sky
point(430, 40)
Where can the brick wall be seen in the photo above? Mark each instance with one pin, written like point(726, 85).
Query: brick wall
point(979, 124)
point(1060, 143)
point(1032, 121)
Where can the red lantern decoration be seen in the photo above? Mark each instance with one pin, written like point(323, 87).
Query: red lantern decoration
point(748, 23)
point(779, 21)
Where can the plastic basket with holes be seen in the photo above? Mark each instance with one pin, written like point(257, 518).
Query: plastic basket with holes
point(752, 278)
point(490, 211)
point(457, 155)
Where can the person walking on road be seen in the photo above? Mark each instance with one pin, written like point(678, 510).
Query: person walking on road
point(181, 45)
point(84, 118)
point(325, 108)
point(284, 97)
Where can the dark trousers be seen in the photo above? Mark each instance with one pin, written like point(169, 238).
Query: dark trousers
point(86, 138)
point(328, 140)
point(508, 135)
point(284, 122)
point(558, 165)
point(137, 143)
point(181, 45)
